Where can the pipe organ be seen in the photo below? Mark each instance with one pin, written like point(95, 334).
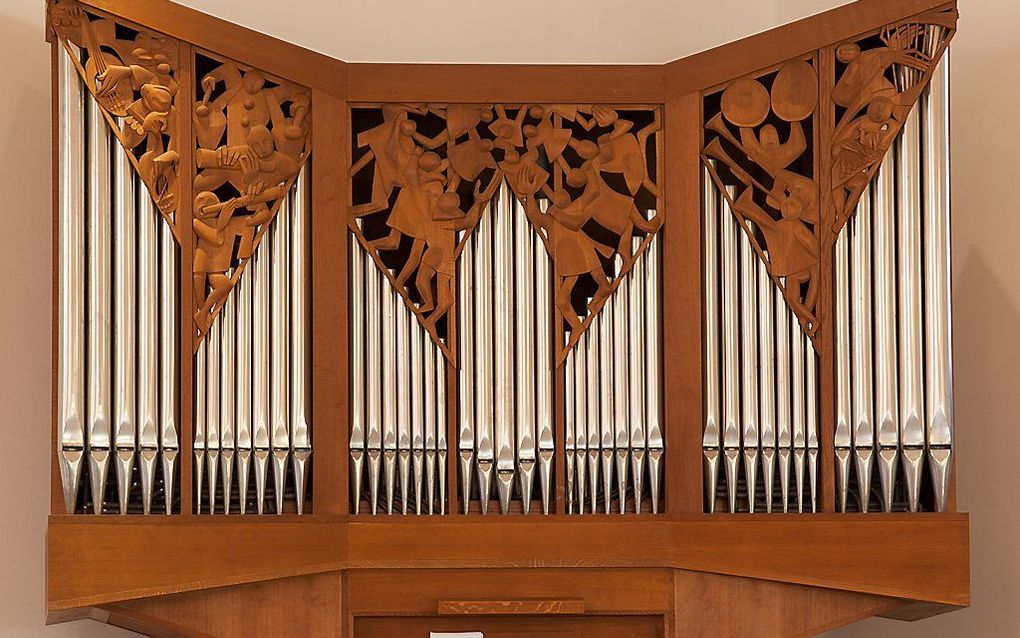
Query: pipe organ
point(631, 336)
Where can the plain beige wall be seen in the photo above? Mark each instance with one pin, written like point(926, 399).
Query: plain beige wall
point(986, 180)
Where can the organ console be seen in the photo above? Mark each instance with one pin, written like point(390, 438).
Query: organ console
point(392, 349)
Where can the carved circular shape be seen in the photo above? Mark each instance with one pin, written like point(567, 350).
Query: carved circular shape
point(795, 91)
point(745, 102)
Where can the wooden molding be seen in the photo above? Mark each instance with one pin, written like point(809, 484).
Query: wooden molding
point(915, 557)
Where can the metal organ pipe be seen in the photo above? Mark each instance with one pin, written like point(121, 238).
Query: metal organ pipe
point(71, 356)
point(100, 240)
point(712, 439)
point(938, 306)
point(898, 323)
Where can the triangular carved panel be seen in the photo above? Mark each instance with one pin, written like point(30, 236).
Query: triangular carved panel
point(423, 175)
point(760, 151)
point(792, 148)
point(879, 79)
point(252, 136)
point(132, 73)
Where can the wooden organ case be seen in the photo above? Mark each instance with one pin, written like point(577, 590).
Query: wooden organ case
point(391, 349)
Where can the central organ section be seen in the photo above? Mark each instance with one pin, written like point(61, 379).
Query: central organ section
point(504, 308)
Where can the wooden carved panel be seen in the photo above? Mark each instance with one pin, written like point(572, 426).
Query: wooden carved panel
point(761, 133)
point(252, 137)
point(132, 74)
point(759, 149)
point(879, 79)
point(423, 174)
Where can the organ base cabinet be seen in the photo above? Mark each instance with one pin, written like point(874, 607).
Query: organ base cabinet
point(572, 350)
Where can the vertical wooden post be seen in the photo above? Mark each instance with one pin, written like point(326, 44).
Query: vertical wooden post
point(825, 337)
point(330, 394)
point(185, 294)
point(681, 305)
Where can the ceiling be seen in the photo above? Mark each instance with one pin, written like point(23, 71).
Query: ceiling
point(526, 31)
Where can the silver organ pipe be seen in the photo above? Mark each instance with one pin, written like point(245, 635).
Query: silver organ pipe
point(712, 439)
point(403, 392)
point(908, 248)
point(750, 439)
point(542, 290)
point(594, 421)
point(244, 349)
point(212, 413)
point(100, 240)
point(199, 424)
point(569, 425)
point(169, 438)
point(503, 345)
point(300, 335)
point(636, 387)
point(252, 403)
point(607, 412)
point(579, 383)
point(398, 411)
point(653, 372)
point(938, 328)
point(279, 349)
point(730, 294)
point(767, 381)
point(373, 376)
point(526, 354)
point(621, 388)
point(798, 416)
point(71, 340)
point(260, 284)
point(862, 386)
point(897, 320)
point(466, 370)
point(441, 444)
point(149, 223)
point(124, 343)
point(419, 371)
point(842, 438)
point(761, 396)
point(884, 285)
point(228, 400)
point(357, 369)
point(483, 380)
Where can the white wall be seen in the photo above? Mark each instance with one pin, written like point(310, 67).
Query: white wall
point(986, 182)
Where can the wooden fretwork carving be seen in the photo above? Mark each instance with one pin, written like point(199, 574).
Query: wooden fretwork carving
point(423, 174)
point(761, 134)
point(879, 78)
point(132, 75)
point(252, 137)
point(760, 152)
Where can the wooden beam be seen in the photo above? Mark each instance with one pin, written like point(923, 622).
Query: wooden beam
point(727, 62)
point(511, 83)
point(272, 55)
point(95, 561)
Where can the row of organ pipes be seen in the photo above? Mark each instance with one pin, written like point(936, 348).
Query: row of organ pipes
point(117, 343)
point(505, 411)
point(252, 377)
point(398, 446)
point(505, 394)
point(611, 398)
point(760, 378)
point(893, 323)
